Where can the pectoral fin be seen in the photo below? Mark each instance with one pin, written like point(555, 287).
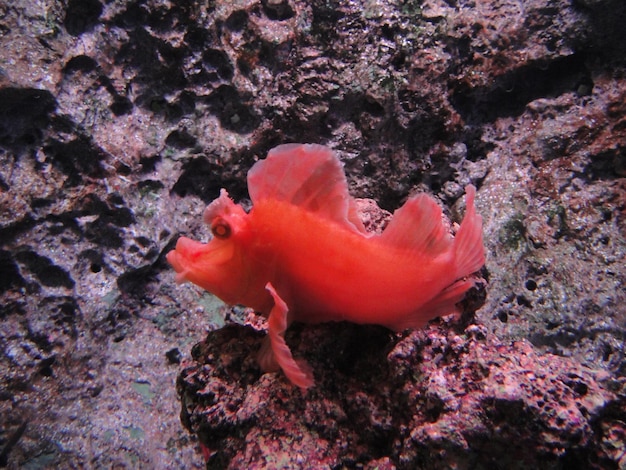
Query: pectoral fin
point(278, 353)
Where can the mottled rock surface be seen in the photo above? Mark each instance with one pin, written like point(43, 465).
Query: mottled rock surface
point(120, 120)
point(438, 398)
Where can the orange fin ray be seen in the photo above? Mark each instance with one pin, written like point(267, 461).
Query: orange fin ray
point(469, 250)
point(417, 226)
point(306, 175)
point(278, 353)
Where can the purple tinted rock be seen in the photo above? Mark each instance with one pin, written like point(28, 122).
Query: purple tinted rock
point(120, 120)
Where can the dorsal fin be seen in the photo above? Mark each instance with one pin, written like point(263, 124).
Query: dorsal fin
point(418, 226)
point(309, 176)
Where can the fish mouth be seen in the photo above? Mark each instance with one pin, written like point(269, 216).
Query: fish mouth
point(191, 258)
point(178, 258)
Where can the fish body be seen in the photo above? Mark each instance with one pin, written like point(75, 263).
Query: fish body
point(302, 254)
point(339, 274)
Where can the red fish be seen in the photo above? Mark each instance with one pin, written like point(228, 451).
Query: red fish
point(302, 254)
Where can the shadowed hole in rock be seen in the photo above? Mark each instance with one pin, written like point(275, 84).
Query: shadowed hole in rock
point(149, 164)
point(277, 10)
point(523, 301)
point(121, 105)
point(48, 273)
point(180, 139)
point(531, 285)
point(80, 63)
point(218, 62)
point(157, 64)
point(135, 14)
point(111, 215)
point(204, 179)
point(503, 316)
point(10, 276)
point(45, 366)
point(233, 113)
point(326, 15)
point(513, 90)
point(81, 15)
point(24, 113)
point(162, 19)
point(117, 323)
point(434, 407)
point(41, 203)
point(576, 384)
point(76, 158)
point(91, 260)
point(352, 358)
point(123, 169)
point(173, 356)
point(197, 38)
point(186, 101)
point(104, 233)
point(607, 165)
point(133, 282)
point(237, 20)
point(146, 186)
point(143, 241)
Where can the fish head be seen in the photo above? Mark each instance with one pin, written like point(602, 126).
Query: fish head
point(221, 266)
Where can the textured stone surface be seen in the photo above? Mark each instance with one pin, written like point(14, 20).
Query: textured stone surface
point(439, 398)
point(120, 120)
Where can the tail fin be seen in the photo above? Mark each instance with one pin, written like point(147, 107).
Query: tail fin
point(469, 256)
point(469, 251)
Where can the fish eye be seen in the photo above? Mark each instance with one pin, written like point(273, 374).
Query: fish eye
point(221, 229)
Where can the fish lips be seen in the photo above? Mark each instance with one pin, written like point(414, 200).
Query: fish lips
point(191, 258)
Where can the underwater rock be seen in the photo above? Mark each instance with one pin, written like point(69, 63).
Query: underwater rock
point(120, 120)
point(435, 398)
